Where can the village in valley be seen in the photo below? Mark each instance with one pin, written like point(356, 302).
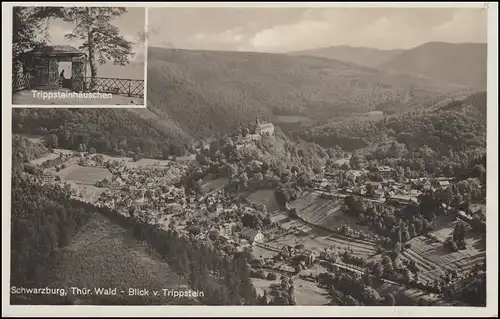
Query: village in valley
point(278, 161)
point(295, 234)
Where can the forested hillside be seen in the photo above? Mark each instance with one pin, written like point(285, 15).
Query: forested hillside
point(26, 150)
point(114, 131)
point(207, 91)
point(194, 94)
point(445, 140)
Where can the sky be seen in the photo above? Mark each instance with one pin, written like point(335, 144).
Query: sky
point(131, 25)
point(280, 30)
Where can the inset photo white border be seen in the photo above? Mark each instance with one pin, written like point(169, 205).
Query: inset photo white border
point(54, 65)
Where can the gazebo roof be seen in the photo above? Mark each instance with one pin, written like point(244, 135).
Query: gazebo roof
point(56, 50)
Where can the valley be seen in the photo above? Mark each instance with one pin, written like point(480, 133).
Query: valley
point(264, 179)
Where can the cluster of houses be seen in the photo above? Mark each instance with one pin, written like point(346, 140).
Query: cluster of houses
point(213, 205)
point(141, 178)
point(290, 259)
point(141, 198)
point(170, 205)
point(240, 238)
point(402, 192)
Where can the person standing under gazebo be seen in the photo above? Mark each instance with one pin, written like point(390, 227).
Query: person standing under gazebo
point(61, 79)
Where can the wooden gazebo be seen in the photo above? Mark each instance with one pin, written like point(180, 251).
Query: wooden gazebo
point(42, 64)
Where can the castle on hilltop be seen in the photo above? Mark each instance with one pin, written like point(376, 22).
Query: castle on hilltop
point(259, 130)
point(263, 129)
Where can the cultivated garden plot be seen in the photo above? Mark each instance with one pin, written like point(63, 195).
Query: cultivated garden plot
point(315, 209)
point(433, 259)
point(318, 239)
point(326, 213)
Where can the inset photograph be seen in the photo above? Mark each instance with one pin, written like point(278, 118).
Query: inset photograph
point(78, 56)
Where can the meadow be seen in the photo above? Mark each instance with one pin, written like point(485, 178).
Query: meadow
point(293, 119)
point(215, 184)
point(266, 197)
point(84, 175)
point(308, 293)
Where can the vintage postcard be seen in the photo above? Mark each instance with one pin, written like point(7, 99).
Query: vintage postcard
point(78, 56)
point(292, 160)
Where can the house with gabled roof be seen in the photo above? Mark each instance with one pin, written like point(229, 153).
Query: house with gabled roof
point(253, 235)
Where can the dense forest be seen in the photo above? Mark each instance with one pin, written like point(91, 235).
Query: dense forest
point(25, 150)
point(42, 221)
point(435, 129)
point(112, 131)
point(208, 91)
point(446, 141)
point(270, 163)
point(225, 280)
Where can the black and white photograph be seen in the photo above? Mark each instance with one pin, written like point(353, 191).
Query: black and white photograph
point(287, 156)
point(78, 56)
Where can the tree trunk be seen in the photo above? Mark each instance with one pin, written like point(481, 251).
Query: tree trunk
point(92, 62)
point(93, 70)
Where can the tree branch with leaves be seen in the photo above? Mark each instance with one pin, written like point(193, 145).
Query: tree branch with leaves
point(101, 39)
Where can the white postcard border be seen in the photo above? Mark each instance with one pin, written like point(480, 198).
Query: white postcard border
point(272, 311)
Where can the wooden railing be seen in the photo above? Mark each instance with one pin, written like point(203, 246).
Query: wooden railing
point(129, 87)
point(20, 81)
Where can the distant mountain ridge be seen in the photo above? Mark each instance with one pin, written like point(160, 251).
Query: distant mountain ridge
point(458, 63)
point(363, 56)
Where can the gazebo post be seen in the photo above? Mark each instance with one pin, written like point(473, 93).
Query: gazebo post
point(78, 74)
point(85, 75)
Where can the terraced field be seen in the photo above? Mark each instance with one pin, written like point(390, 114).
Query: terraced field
point(433, 259)
point(315, 209)
point(324, 212)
